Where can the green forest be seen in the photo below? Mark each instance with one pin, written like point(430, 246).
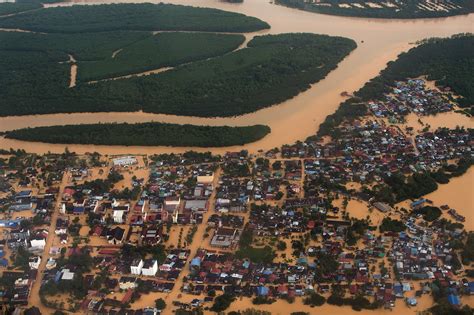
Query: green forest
point(405, 9)
point(132, 17)
point(161, 50)
point(83, 46)
point(271, 70)
point(12, 7)
point(143, 134)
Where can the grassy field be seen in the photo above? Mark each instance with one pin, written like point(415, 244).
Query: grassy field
point(144, 134)
point(161, 50)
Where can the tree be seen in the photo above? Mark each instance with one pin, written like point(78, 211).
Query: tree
point(281, 245)
point(160, 304)
point(222, 302)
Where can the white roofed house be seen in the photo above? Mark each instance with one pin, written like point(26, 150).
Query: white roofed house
point(34, 262)
point(38, 243)
point(205, 178)
point(150, 267)
point(136, 267)
point(119, 213)
point(125, 161)
point(171, 206)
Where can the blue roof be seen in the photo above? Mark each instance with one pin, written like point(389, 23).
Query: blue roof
point(418, 202)
point(471, 286)
point(454, 299)
point(262, 290)
point(196, 261)
point(79, 209)
point(23, 193)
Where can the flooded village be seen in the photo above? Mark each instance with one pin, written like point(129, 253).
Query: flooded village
point(303, 227)
point(370, 212)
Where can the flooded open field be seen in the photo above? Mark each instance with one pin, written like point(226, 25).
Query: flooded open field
point(379, 41)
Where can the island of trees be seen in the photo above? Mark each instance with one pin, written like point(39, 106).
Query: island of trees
point(132, 17)
point(143, 134)
point(402, 9)
point(272, 69)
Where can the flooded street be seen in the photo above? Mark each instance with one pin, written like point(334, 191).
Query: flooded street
point(379, 41)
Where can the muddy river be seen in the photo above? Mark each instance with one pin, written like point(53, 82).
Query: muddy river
point(379, 41)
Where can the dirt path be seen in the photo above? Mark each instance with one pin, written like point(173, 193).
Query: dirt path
point(34, 299)
point(72, 61)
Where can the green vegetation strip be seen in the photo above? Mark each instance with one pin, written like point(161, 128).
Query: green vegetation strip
point(405, 9)
point(133, 17)
point(144, 134)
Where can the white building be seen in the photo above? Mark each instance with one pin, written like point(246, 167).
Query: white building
point(150, 268)
point(125, 161)
point(205, 179)
point(136, 267)
point(34, 262)
point(118, 216)
point(67, 275)
point(38, 243)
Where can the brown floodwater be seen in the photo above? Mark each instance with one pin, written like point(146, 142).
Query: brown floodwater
point(459, 195)
point(379, 41)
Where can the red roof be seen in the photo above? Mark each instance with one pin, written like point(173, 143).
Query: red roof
point(127, 296)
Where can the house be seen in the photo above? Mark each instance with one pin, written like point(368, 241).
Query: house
point(150, 267)
point(119, 213)
point(382, 207)
point(38, 243)
point(125, 161)
point(196, 205)
point(115, 235)
point(34, 262)
point(225, 237)
point(126, 283)
point(205, 178)
point(136, 267)
point(171, 204)
point(66, 274)
point(418, 204)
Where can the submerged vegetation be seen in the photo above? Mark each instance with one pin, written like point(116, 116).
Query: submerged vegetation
point(144, 134)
